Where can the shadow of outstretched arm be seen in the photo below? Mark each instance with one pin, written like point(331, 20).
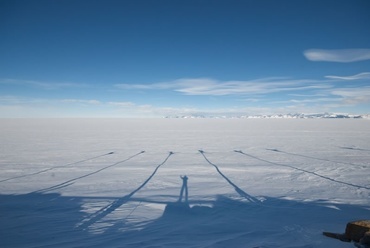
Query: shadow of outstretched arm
point(305, 171)
point(237, 189)
point(320, 159)
point(71, 181)
point(55, 167)
point(117, 203)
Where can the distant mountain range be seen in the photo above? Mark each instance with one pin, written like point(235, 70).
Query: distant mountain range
point(277, 116)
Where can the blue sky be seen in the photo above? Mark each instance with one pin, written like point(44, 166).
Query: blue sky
point(146, 58)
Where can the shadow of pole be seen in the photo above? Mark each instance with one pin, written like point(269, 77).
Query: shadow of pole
point(237, 189)
point(52, 168)
point(117, 203)
point(71, 181)
point(306, 171)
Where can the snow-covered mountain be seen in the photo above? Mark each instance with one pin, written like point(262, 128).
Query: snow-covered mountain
point(276, 116)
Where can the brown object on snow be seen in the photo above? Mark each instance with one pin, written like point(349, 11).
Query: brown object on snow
point(356, 231)
point(365, 239)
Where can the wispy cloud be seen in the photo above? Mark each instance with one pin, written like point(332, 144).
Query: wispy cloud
point(151, 110)
point(18, 100)
point(171, 85)
point(260, 96)
point(364, 75)
point(83, 101)
point(42, 85)
point(315, 100)
point(20, 106)
point(340, 55)
point(122, 104)
point(211, 87)
point(353, 95)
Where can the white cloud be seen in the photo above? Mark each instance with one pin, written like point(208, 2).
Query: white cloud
point(353, 96)
point(17, 100)
point(147, 110)
point(315, 100)
point(122, 104)
point(171, 85)
point(364, 75)
point(351, 92)
point(43, 85)
point(7, 100)
point(211, 87)
point(340, 55)
point(249, 97)
point(293, 106)
point(93, 102)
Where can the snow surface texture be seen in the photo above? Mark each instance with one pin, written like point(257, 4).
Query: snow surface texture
point(116, 183)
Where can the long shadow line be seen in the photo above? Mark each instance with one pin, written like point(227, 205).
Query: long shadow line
point(354, 148)
point(321, 159)
point(71, 181)
point(303, 170)
point(92, 218)
point(55, 167)
point(237, 189)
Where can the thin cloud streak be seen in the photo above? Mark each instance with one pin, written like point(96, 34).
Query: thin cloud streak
point(363, 75)
point(42, 85)
point(340, 55)
point(93, 102)
point(353, 96)
point(315, 100)
point(211, 87)
point(60, 108)
point(253, 97)
point(121, 104)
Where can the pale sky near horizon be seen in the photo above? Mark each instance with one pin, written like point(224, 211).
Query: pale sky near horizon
point(153, 58)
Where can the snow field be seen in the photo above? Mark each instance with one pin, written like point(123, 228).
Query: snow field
point(257, 183)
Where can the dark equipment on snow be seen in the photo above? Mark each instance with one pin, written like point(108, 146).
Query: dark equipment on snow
point(357, 231)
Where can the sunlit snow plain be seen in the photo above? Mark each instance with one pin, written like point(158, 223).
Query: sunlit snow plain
point(116, 182)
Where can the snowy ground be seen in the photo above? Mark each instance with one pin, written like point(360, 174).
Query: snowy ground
point(115, 183)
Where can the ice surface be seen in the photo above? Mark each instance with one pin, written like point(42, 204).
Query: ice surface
point(116, 182)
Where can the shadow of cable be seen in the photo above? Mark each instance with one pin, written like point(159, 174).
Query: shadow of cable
point(305, 171)
point(91, 219)
point(55, 167)
point(321, 159)
point(354, 148)
point(71, 181)
point(237, 189)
